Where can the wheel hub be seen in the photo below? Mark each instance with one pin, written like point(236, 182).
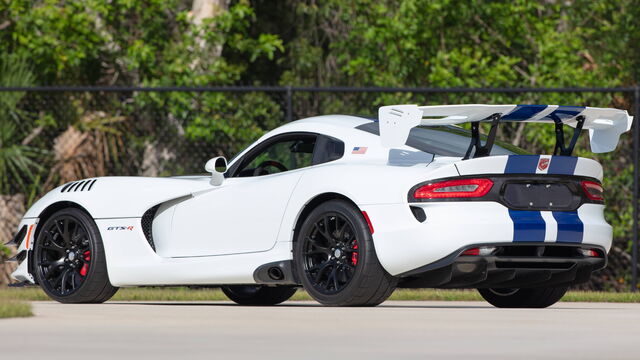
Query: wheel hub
point(71, 256)
point(337, 253)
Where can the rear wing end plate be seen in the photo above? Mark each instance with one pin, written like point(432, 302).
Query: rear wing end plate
point(605, 125)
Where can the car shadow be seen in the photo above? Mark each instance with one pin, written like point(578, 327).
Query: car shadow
point(312, 304)
point(309, 304)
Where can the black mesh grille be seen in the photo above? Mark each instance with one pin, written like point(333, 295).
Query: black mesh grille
point(147, 222)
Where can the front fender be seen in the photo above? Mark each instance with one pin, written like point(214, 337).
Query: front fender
point(119, 197)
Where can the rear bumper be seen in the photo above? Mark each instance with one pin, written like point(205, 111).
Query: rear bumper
point(531, 265)
point(404, 243)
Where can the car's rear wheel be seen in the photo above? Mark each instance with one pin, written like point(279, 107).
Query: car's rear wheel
point(258, 294)
point(523, 298)
point(69, 260)
point(335, 259)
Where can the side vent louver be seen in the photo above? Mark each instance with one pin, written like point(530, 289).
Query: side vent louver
point(18, 238)
point(19, 257)
point(147, 225)
point(83, 185)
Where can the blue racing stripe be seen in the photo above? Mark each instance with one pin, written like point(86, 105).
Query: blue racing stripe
point(570, 227)
point(524, 112)
point(562, 165)
point(527, 225)
point(522, 164)
point(565, 112)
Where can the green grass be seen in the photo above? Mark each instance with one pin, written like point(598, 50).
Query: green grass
point(14, 308)
point(208, 294)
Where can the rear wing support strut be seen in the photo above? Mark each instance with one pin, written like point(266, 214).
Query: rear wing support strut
point(482, 150)
point(560, 148)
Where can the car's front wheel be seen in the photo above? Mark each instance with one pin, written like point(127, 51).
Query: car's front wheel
point(523, 298)
point(335, 259)
point(69, 260)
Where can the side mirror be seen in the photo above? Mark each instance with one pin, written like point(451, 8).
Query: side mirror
point(217, 167)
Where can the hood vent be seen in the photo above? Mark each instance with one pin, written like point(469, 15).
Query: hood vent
point(83, 185)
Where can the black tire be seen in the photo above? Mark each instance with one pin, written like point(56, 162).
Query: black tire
point(523, 298)
point(69, 243)
point(325, 262)
point(258, 294)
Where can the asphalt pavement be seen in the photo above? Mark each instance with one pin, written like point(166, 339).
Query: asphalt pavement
point(306, 330)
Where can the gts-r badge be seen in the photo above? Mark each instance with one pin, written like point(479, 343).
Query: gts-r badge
point(130, 228)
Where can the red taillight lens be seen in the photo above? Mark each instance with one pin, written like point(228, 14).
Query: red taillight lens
point(471, 252)
point(482, 251)
point(589, 252)
point(463, 188)
point(593, 190)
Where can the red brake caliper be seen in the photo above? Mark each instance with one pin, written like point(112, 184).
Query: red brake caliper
point(85, 267)
point(354, 255)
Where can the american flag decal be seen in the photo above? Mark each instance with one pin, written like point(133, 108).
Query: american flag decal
point(359, 150)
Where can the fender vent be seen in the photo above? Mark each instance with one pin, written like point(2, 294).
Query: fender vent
point(18, 238)
point(83, 185)
point(19, 257)
point(147, 225)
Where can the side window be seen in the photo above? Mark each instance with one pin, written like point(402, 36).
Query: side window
point(287, 154)
point(327, 149)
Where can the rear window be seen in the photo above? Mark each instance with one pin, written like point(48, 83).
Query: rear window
point(444, 140)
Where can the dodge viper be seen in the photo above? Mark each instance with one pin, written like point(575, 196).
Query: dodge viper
point(348, 208)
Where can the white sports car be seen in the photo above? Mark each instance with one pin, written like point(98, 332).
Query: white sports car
point(349, 208)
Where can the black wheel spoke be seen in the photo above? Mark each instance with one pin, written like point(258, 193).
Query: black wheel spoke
point(63, 281)
point(50, 272)
point(65, 235)
point(333, 278)
point(322, 231)
point(328, 249)
point(318, 252)
point(79, 235)
point(342, 229)
point(77, 279)
point(54, 248)
point(58, 280)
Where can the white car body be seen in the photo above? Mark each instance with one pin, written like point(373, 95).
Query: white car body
point(223, 234)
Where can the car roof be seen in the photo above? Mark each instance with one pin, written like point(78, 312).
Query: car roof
point(323, 124)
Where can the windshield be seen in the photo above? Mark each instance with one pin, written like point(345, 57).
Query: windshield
point(444, 140)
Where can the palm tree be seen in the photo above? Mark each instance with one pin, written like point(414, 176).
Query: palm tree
point(19, 162)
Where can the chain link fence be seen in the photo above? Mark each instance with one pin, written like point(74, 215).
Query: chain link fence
point(52, 135)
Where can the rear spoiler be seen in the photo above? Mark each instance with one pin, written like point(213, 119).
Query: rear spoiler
point(605, 125)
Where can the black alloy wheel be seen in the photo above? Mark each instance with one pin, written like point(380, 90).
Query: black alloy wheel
point(335, 258)
point(330, 253)
point(69, 259)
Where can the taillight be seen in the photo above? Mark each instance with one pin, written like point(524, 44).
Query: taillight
point(589, 252)
point(593, 190)
point(463, 188)
point(482, 251)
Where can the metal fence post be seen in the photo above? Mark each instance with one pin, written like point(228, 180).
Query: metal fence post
point(636, 140)
point(289, 104)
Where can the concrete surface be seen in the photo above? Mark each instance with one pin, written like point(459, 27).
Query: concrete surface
point(305, 330)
